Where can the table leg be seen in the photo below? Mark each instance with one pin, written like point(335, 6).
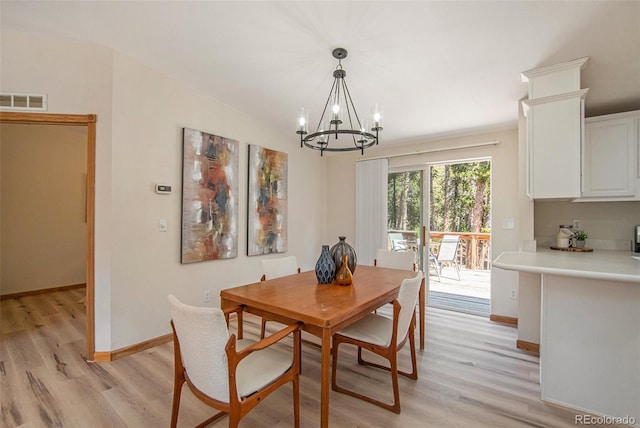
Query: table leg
point(421, 307)
point(325, 381)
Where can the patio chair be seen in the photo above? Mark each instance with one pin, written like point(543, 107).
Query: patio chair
point(447, 253)
point(231, 375)
point(398, 243)
point(384, 337)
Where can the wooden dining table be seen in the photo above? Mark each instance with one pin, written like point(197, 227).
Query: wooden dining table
point(323, 309)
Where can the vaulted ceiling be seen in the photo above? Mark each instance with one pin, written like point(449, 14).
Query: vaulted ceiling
point(437, 68)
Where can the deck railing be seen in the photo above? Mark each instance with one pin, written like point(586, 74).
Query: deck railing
point(474, 250)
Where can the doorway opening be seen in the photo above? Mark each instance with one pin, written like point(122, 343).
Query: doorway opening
point(88, 121)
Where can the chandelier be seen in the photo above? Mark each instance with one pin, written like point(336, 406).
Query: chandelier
point(342, 119)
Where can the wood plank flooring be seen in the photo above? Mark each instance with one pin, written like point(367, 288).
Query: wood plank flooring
point(471, 375)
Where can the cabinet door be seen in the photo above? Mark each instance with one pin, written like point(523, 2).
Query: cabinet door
point(609, 167)
point(554, 135)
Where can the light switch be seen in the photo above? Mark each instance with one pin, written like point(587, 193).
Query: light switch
point(163, 225)
point(508, 223)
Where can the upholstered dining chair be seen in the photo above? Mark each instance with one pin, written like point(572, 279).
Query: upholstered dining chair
point(231, 375)
point(405, 260)
point(275, 268)
point(384, 337)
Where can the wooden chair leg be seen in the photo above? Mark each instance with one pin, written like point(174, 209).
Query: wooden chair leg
point(412, 349)
point(234, 420)
point(177, 390)
point(263, 328)
point(394, 380)
point(178, 378)
point(296, 402)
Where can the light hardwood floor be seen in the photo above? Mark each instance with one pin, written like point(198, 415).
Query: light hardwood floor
point(471, 375)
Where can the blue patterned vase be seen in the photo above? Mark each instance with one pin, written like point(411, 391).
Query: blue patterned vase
point(325, 267)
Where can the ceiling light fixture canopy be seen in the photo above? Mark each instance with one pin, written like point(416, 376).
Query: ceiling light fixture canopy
point(342, 118)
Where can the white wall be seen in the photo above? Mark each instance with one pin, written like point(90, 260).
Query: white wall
point(44, 211)
point(150, 111)
point(138, 137)
point(504, 194)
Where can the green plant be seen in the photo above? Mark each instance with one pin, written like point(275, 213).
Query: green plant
point(580, 235)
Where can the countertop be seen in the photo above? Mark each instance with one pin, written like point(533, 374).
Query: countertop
point(599, 264)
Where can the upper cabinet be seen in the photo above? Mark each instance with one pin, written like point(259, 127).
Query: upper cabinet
point(610, 157)
point(555, 125)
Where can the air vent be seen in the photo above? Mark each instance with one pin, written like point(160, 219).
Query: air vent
point(28, 102)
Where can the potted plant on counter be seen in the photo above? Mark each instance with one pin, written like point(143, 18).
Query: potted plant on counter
point(579, 236)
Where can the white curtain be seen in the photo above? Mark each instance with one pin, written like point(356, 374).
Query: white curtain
point(371, 208)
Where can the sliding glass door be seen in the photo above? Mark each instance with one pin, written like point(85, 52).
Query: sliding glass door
point(442, 212)
point(405, 214)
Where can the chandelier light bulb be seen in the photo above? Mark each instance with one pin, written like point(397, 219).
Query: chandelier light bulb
point(335, 109)
point(303, 120)
point(377, 118)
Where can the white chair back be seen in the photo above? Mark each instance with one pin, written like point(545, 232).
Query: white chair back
point(448, 248)
point(275, 268)
point(404, 260)
point(408, 298)
point(203, 335)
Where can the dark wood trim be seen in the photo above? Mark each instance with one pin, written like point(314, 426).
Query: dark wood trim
point(504, 320)
point(101, 357)
point(47, 118)
point(41, 291)
point(88, 120)
point(91, 216)
point(106, 356)
point(528, 346)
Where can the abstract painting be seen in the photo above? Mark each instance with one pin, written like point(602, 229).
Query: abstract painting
point(209, 197)
point(267, 202)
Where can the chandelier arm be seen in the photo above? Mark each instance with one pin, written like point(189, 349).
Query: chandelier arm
point(348, 94)
point(358, 144)
point(347, 102)
point(327, 103)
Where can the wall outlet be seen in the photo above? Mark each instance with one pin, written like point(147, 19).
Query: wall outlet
point(514, 295)
point(576, 225)
point(207, 295)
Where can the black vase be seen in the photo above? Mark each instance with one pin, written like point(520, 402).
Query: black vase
point(325, 267)
point(343, 249)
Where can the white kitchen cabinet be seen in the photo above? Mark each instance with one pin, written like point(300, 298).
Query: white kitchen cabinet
point(610, 156)
point(554, 136)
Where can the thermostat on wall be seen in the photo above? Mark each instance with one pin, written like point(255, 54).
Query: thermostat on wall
point(163, 189)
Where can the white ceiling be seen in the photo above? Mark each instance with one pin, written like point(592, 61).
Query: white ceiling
point(437, 68)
